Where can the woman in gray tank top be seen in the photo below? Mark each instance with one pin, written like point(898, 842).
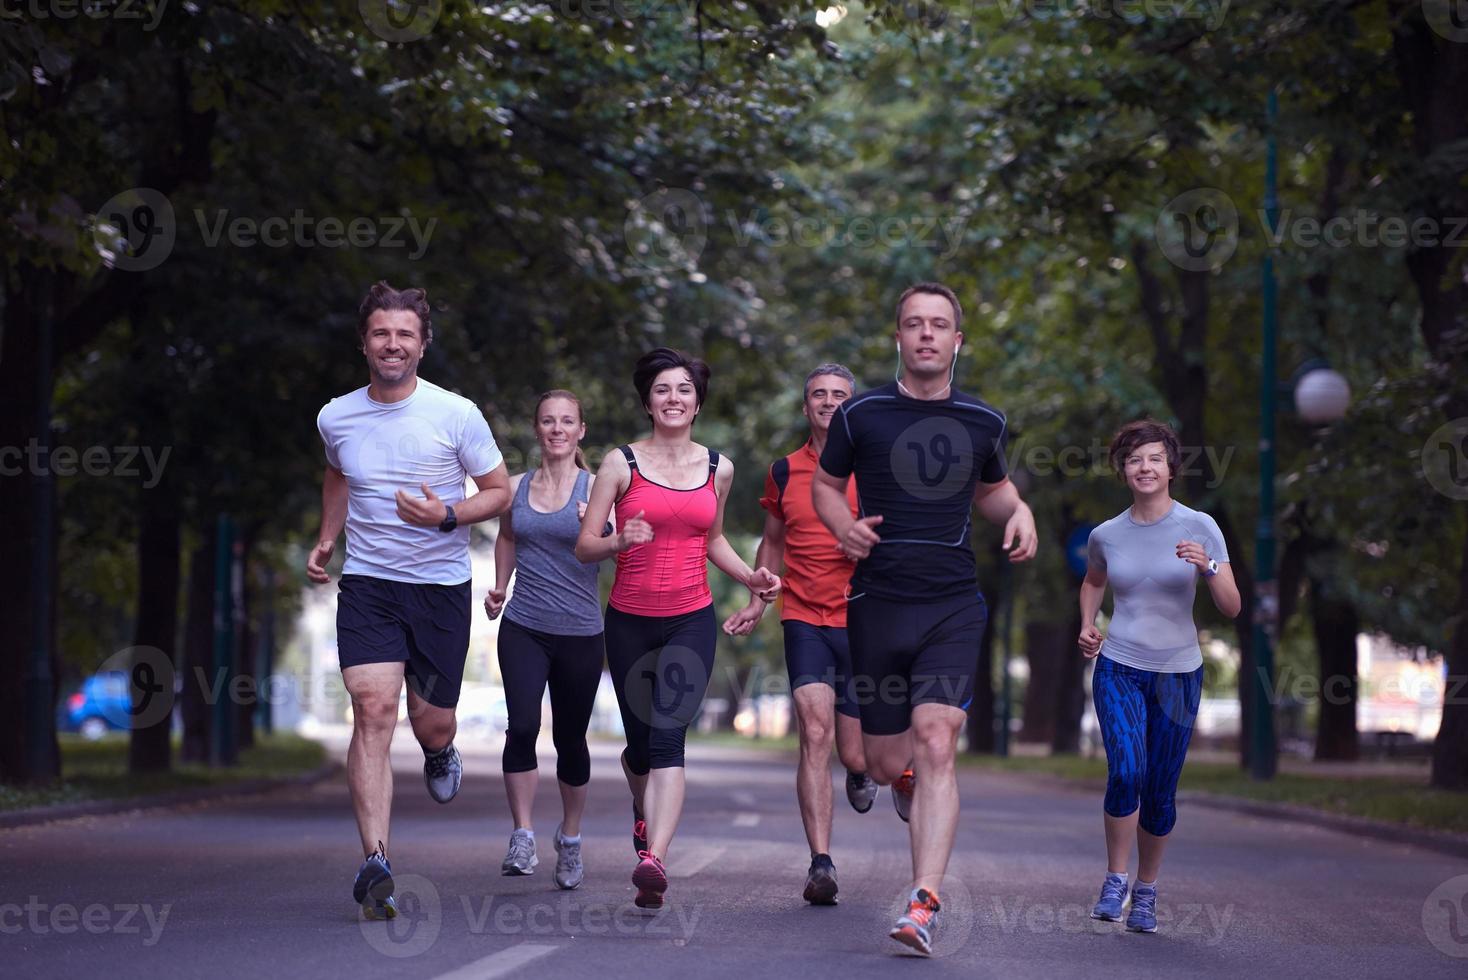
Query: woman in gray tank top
point(551, 634)
point(1149, 672)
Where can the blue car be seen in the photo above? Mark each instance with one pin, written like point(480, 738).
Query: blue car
point(103, 704)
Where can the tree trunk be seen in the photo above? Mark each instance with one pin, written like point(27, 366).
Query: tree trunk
point(1336, 625)
point(1046, 645)
point(18, 394)
point(1070, 693)
point(244, 651)
point(157, 625)
point(1434, 74)
point(1450, 750)
point(197, 661)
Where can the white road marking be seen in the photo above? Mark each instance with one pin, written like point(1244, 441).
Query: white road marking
point(742, 798)
point(698, 859)
point(500, 964)
point(746, 819)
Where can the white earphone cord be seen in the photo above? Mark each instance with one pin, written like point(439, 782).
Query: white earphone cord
point(952, 370)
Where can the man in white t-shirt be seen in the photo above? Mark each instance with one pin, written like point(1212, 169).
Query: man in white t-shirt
point(397, 454)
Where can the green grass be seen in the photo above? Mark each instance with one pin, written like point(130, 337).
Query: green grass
point(1395, 799)
point(787, 743)
point(98, 771)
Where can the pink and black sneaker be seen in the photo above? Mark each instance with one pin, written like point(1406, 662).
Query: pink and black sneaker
point(651, 880)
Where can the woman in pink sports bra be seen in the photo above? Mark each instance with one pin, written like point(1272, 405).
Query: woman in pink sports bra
point(661, 633)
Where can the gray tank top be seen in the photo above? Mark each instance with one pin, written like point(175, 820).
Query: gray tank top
point(554, 593)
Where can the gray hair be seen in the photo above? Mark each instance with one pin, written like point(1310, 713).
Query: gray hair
point(839, 370)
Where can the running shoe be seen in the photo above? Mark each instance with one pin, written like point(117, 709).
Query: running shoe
point(651, 879)
point(569, 870)
point(520, 859)
point(1113, 897)
point(1143, 916)
point(861, 791)
point(373, 888)
point(902, 794)
point(443, 771)
point(820, 883)
point(916, 928)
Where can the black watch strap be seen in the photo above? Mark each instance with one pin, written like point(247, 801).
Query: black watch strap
point(450, 521)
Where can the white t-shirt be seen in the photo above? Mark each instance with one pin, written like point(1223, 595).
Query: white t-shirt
point(433, 436)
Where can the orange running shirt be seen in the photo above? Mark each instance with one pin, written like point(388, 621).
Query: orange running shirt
point(816, 573)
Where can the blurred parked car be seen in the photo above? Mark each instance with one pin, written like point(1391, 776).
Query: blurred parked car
point(102, 704)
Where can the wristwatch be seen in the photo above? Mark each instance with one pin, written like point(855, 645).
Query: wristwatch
point(449, 521)
point(1212, 568)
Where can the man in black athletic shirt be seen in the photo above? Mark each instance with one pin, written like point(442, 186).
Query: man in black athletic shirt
point(924, 455)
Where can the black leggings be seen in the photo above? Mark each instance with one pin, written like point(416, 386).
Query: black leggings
point(529, 659)
point(660, 668)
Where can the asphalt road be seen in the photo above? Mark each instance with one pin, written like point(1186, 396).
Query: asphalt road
point(260, 887)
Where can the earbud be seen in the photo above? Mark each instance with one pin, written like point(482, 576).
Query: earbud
point(899, 347)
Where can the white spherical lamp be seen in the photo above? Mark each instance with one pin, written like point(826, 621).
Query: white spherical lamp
point(1322, 396)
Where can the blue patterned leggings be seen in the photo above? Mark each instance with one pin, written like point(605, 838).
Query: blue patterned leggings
point(1146, 720)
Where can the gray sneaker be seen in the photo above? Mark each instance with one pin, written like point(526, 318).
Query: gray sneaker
point(861, 791)
point(520, 859)
point(443, 771)
point(569, 869)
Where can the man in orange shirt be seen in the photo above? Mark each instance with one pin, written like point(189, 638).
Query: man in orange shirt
point(813, 614)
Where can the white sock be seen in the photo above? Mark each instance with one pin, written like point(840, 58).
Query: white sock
point(568, 840)
point(1117, 874)
point(525, 830)
point(1146, 884)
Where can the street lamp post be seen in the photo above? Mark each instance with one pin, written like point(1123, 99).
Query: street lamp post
point(1319, 396)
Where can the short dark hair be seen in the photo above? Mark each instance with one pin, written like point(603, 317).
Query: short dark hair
point(936, 289)
point(1140, 433)
point(839, 370)
point(661, 359)
point(384, 297)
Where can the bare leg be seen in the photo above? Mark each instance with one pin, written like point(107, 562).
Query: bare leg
point(935, 729)
point(1119, 834)
point(434, 727)
point(815, 710)
point(637, 784)
point(664, 806)
point(1149, 854)
point(887, 755)
point(573, 804)
point(520, 788)
point(848, 743)
point(374, 691)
